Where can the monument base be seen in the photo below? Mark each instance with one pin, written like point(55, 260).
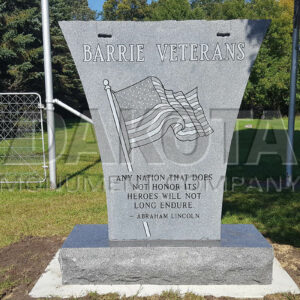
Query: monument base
point(242, 256)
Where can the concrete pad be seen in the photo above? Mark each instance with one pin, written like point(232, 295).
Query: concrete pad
point(50, 285)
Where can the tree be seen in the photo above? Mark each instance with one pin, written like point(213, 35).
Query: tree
point(20, 45)
point(209, 7)
point(195, 3)
point(67, 84)
point(122, 10)
point(268, 86)
point(21, 50)
point(171, 10)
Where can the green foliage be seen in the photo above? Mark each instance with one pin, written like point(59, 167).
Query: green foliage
point(21, 50)
point(67, 85)
point(268, 87)
point(122, 10)
point(171, 10)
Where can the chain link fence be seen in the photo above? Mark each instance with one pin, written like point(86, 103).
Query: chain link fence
point(22, 150)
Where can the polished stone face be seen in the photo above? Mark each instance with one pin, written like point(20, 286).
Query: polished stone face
point(164, 98)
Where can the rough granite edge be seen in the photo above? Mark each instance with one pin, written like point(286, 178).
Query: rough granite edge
point(212, 264)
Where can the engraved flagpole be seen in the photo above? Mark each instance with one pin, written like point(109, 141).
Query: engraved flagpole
point(117, 122)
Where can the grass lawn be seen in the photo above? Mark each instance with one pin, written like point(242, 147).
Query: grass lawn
point(34, 210)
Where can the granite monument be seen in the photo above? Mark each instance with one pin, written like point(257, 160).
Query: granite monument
point(164, 98)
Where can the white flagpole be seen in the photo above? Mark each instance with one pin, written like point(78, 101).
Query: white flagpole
point(293, 91)
point(49, 93)
point(117, 122)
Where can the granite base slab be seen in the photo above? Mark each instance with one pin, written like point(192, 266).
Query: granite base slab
point(50, 285)
point(242, 256)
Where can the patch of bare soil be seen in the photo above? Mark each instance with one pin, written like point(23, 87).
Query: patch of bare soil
point(22, 263)
point(289, 258)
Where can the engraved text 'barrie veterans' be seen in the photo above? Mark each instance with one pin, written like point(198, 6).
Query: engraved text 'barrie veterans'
point(165, 52)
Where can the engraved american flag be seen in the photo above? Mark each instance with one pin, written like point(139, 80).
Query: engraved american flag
point(146, 111)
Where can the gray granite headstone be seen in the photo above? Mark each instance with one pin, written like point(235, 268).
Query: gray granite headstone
point(164, 98)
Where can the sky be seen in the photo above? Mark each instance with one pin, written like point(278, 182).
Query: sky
point(96, 4)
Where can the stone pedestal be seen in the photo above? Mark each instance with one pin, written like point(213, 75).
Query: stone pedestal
point(242, 256)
